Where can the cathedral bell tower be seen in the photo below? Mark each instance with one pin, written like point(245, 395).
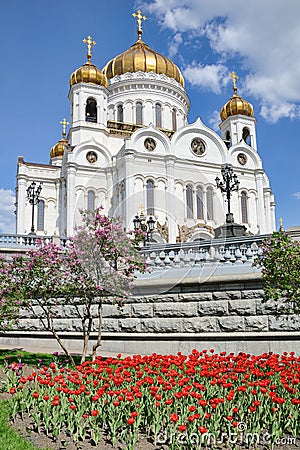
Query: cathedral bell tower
point(238, 121)
point(88, 99)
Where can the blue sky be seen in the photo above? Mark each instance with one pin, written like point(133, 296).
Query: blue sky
point(41, 44)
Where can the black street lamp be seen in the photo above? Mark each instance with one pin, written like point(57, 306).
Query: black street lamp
point(229, 184)
point(139, 223)
point(33, 194)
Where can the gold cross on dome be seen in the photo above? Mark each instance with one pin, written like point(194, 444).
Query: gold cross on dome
point(234, 77)
point(64, 124)
point(89, 42)
point(139, 17)
point(281, 224)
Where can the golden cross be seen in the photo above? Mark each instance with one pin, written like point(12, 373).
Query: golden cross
point(89, 42)
point(139, 17)
point(281, 224)
point(64, 124)
point(234, 77)
point(141, 208)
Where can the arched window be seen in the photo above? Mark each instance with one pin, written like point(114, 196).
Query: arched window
point(120, 113)
point(246, 135)
point(91, 110)
point(139, 113)
point(209, 204)
point(189, 202)
point(199, 196)
point(244, 207)
point(91, 201)
point(150, 197)
point(41, 215)
point(228, 139)
point(174, 119)
point(158, 115)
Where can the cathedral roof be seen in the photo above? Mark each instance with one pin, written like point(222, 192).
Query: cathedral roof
point(236, 104)
point(88, 72)
point(140, 57)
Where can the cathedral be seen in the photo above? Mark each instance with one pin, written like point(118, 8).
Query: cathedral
point(131, 149)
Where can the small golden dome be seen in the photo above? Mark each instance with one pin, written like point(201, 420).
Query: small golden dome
point(236, 105)
point(58, 149)
point(140, 57)
point(88, 73)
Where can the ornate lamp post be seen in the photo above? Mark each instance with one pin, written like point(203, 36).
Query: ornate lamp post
point(229, 184)
point(139, 223)
point(33, 194)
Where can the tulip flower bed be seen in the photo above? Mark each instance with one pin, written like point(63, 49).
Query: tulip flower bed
point(204, 400)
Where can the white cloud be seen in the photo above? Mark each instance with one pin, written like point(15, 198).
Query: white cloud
point(296, 195)
point(214, 120)
point(7, 217)
point(210, 77)
point(264, 35)
point(174, 44)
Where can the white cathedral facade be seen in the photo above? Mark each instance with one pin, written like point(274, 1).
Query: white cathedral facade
point(131, 149)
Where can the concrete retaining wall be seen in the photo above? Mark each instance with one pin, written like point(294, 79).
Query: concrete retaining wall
point(225, 313)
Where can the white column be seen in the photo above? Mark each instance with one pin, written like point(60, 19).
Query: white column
point(71, 199)
point(260, 201)
point(268, 211)
point(171, 199)
point(130, 206)
point(21, 206)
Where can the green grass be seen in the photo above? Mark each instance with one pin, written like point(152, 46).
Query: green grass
point(9, 438)
point(34, 359)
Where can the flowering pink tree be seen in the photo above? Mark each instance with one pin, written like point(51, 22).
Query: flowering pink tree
point(110, 257)
point(99, 262)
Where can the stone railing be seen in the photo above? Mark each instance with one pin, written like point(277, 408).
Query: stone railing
point(18, 243)
point(233, 251)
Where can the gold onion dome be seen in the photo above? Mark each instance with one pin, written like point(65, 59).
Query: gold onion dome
point(140, 57)
point(236, 104)
point(57, 151)
point(88, 72)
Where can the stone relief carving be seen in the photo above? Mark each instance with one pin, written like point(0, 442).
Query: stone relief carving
point(163, 230)
point(184, 232)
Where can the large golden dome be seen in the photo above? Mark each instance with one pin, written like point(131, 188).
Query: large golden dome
point(140, 57)
point(236, 104)
point(88, 73)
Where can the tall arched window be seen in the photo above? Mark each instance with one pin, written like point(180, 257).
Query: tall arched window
point(199, 196)
point(246, 135)
point(91, 201)
point(150, 197)
point(91, 110)
point(244, 207)
point(139, 113)
point(209, 203)
point(120, 113)
point(189, 202)
point(174, 119)
point(41, 215)
point(228, 139)
point(158, 115)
